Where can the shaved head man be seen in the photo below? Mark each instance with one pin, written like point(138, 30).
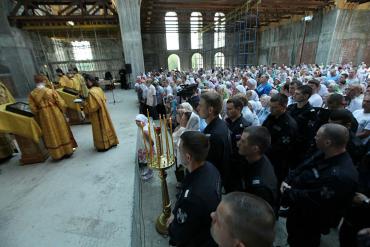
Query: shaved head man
point(328, 183)
point(243, 220)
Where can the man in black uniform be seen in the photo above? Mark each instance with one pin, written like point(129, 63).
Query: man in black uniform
point(355, 147)
point(319, 191)
point(190, 223)
point(284, 131)
point(334, 102)
point(358, 216)
point(258, 176)
point(236, 124)
point(210, 106)
point(305, 116)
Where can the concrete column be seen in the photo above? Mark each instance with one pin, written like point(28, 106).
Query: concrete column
point(184, 41)
point(229, 51)
point(16, 55)
point(208, 42)
point(129, 20)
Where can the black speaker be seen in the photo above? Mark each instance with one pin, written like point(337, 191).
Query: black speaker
point(128, 68)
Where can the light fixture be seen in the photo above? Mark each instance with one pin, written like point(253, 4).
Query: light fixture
point(70, 23)
point(308, 18)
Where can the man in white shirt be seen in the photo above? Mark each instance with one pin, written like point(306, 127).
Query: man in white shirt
point(315, 99)
point(363, 118)
point(355, 96)
point(167, 88)
point(151, 100)
point(352, 77)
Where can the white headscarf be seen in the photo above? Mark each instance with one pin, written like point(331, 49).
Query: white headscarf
point(256, 105)
point(187, 107)
point(254, 95)
point(241, 89)
point(252, 82)
point(142, 118)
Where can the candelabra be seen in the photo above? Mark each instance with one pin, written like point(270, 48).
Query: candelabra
point(162, 158)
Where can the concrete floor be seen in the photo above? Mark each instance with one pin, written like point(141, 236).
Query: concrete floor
point(86, 200)
point(90, 199)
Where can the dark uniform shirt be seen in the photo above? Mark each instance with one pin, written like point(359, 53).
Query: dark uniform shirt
point(284, 133)
point(199, 196)
point(220, 149)
point(358, 215)
point(321, 190)
point(236, 130)
point(323, 116)
point(236, 161)
point(306, 119)
point(260, 180)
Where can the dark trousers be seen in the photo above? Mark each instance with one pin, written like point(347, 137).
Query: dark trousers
point(152, 112)
point(161, 110)
point(348, 234)
point(301, 233)
point(356, 219)
point(142, 108)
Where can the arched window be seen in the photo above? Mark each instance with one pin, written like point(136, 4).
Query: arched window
point(196, 24)
point(173, 62)
point(219, 60)
point(219, 35)
point(172, 31)
point(197, 61)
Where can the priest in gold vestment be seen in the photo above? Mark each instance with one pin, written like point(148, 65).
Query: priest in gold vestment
point(6, 145)
point(75, 82)
point(104, 134)
point(84, 91)
point(48, 108)
point(63, 80)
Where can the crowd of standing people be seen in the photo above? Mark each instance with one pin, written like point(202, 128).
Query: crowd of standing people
point(294, 138)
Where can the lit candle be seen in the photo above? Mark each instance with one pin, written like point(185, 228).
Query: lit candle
point(150, 139)
point(167, 145)
point(158, 145)
point(144, 138)
point(173, 149)
point(161, 135)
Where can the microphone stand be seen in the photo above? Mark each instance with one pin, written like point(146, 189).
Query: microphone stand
point(113, 86)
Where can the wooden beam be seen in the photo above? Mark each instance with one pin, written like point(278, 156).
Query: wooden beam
point(64, 18)
point(72, 11)
point(60, 12)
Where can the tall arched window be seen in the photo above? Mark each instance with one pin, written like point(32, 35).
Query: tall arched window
point(219, 60)
point(219, 35)
point(172, 31)
point(196, 24)
point(197, 61)
point(173, 62)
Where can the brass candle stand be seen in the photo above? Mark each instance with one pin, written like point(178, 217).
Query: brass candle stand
point(161, 159)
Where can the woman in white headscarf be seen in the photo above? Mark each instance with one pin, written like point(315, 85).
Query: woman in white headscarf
point(187, 120)
point(142, 148)
point(252, 95)
point(241, 89)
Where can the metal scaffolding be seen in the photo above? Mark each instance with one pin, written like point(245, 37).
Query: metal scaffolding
point(97, 52)
point(234, 41)
point(245, 38)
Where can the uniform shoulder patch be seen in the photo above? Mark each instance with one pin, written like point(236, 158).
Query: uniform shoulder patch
point(181, 216)
point(256, 181)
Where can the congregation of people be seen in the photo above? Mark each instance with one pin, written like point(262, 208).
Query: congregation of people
point(49, 110)
point(262, 142)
